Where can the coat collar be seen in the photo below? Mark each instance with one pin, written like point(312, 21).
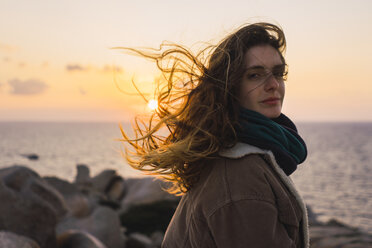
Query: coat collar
point(242, 149)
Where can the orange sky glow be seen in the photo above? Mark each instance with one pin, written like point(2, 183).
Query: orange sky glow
point(56, 63)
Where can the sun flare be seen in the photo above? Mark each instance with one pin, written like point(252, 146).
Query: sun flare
point(152, 104)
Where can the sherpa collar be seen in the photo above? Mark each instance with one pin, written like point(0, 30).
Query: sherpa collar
point(242, 149)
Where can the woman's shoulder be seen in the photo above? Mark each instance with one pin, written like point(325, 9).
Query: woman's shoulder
point(249, 176)
point(229, 180)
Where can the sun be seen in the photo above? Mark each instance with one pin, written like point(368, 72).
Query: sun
point(152, 104)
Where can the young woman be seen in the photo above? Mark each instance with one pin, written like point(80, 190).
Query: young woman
point(229, 149)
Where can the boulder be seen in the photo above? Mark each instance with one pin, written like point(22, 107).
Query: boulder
point(335, 234)
point(82, 179)
point(103, 224)
point(29, 206)
point(144, 191)
point(320, 232)
point(313, 218)
point(42, 191)
point(149, 218)
point(107, 188)
point(101, 181)
point(12, 240)
point(30, 184)
point(78, 239)
point(157, 238)
point(78, 204)
point(358, 245)
point(83, 173)
point(116, 189)
point(336, 241)
point(138, 240)
point(31, 156)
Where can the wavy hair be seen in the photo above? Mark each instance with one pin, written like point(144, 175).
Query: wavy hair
point(197, 105)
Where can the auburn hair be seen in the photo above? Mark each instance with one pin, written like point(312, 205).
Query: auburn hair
point(197, 105)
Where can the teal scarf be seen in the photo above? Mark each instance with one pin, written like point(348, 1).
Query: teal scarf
point(278, 135)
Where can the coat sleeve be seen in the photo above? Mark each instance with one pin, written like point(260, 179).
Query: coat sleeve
point(248, 223)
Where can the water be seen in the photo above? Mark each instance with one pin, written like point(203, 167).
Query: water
point(335, 179)
point(61, 146)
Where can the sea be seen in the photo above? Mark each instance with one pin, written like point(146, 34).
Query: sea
point(335, 180)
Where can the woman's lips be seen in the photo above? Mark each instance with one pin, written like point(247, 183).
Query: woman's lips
point(271, 101)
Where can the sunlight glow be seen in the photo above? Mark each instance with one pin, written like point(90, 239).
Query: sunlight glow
point(152, 104)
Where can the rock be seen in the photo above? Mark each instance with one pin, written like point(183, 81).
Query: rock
point(34, 206)
point(319, 232)
point(144, 191)
point(29, 218)
point(62, 186)
point(83, 173)
point(338, 235)
point(78, 239)
point(149, 218)
point(27, 182)
point(48, 194)
point(157, 238)
point(107, 188)
point(103, 179)
point(336, 242)
point(31, 156)
point(12, 240)
point(113, 194)
point(77, 203)
point(313, 218)
point(16, 177)
point(138, 240)
point(103, 224)
point(82, 179)
point(337, 223)
point(358, 244)
point(116, 189)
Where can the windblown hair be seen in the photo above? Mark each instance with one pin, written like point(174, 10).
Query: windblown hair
point(197, 105)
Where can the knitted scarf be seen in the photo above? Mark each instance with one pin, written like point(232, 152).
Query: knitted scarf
point(278, 135)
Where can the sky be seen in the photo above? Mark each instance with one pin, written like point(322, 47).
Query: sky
point(56, 63)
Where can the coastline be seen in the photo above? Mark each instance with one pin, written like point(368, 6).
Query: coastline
point(109, 211)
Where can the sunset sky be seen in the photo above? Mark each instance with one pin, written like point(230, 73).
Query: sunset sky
point(56, 63)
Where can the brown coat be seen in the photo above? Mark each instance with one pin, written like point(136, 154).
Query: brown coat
point(242, 199)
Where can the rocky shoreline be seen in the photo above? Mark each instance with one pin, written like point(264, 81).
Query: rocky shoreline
point(108, 211)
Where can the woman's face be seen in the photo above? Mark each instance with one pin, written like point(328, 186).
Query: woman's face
point(262, 87)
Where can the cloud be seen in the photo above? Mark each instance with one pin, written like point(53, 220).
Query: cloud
point(110, 69)
point(104, 69)
point(82, 91)
point(7, 47)
point(76, 67)
point(27, 87)
point(21, 64)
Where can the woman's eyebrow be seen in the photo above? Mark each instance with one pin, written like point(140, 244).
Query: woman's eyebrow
point(255, 67)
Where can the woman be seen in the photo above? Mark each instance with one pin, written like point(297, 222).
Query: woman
point(229, 150)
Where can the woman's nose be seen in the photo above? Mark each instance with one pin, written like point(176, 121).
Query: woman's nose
point(271, 82)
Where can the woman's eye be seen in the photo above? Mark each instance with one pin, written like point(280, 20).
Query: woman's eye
point(254, 76)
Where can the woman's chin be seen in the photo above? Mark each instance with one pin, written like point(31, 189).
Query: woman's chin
point(272, 113)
